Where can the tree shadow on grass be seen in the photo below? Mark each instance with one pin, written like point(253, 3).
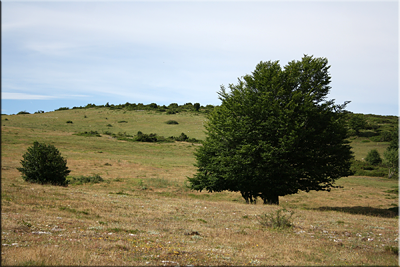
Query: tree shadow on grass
point(369, 211)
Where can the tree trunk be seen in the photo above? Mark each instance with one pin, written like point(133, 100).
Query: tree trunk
point(245, 195)
point(271, 200)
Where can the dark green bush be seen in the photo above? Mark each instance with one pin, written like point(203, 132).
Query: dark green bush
point(182, 137)
point(43, 164)
point(69, 122)
point(171, 122)
point(141, 137)
point(122, 122)
point(23, 112)
point(373, 157)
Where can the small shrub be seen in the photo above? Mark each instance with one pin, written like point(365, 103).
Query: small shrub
point(373, 157)
point(280, 220)
point(122, 122)
point(69, 122)
point(23, 112)
point(182, 137)
point(394, 250)
point(171, 122)
point(109, 125)
point(43, 164)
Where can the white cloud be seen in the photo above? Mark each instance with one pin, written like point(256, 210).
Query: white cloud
point(23, 96)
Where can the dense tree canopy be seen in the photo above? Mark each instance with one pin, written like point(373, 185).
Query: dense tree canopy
point(274, 134)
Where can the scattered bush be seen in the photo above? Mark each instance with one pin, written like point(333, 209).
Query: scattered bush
point(43, 164)
point(280, 220)
point(62, 108)
point(109, 125)
point(373, 157)
point(69, 122)
point(85, 179)
point(141, 137)
point(23, 112)
point(182, 137)
point(89, 134)
point(171, 122)
point(363, 168)
point(122, 122)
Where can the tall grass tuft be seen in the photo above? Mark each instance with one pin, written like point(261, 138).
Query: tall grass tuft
point(280, 220)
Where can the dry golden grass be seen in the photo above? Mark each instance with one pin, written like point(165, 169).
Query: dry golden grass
point(144, 215)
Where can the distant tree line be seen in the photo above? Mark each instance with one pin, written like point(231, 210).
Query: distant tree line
point(172, 108)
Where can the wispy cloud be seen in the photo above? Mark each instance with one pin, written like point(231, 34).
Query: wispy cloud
point(24, 96)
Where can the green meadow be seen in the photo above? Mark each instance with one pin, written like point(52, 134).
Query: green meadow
point(143, 213)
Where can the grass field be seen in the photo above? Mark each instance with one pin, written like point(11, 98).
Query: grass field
point(143, 213)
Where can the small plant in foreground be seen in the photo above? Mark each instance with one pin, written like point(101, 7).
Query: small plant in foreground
point(280, 220)
point(394, 250)
point(43, 164)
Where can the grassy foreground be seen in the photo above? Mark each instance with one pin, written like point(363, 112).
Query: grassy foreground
point(143, 214)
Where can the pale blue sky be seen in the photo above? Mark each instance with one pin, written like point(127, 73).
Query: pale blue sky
point(66, 54)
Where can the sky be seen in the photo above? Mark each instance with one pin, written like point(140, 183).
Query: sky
point(65, 54)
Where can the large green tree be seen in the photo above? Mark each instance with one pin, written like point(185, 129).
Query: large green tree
point(275, 133)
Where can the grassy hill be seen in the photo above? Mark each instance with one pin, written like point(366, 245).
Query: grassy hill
point(143, 213)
